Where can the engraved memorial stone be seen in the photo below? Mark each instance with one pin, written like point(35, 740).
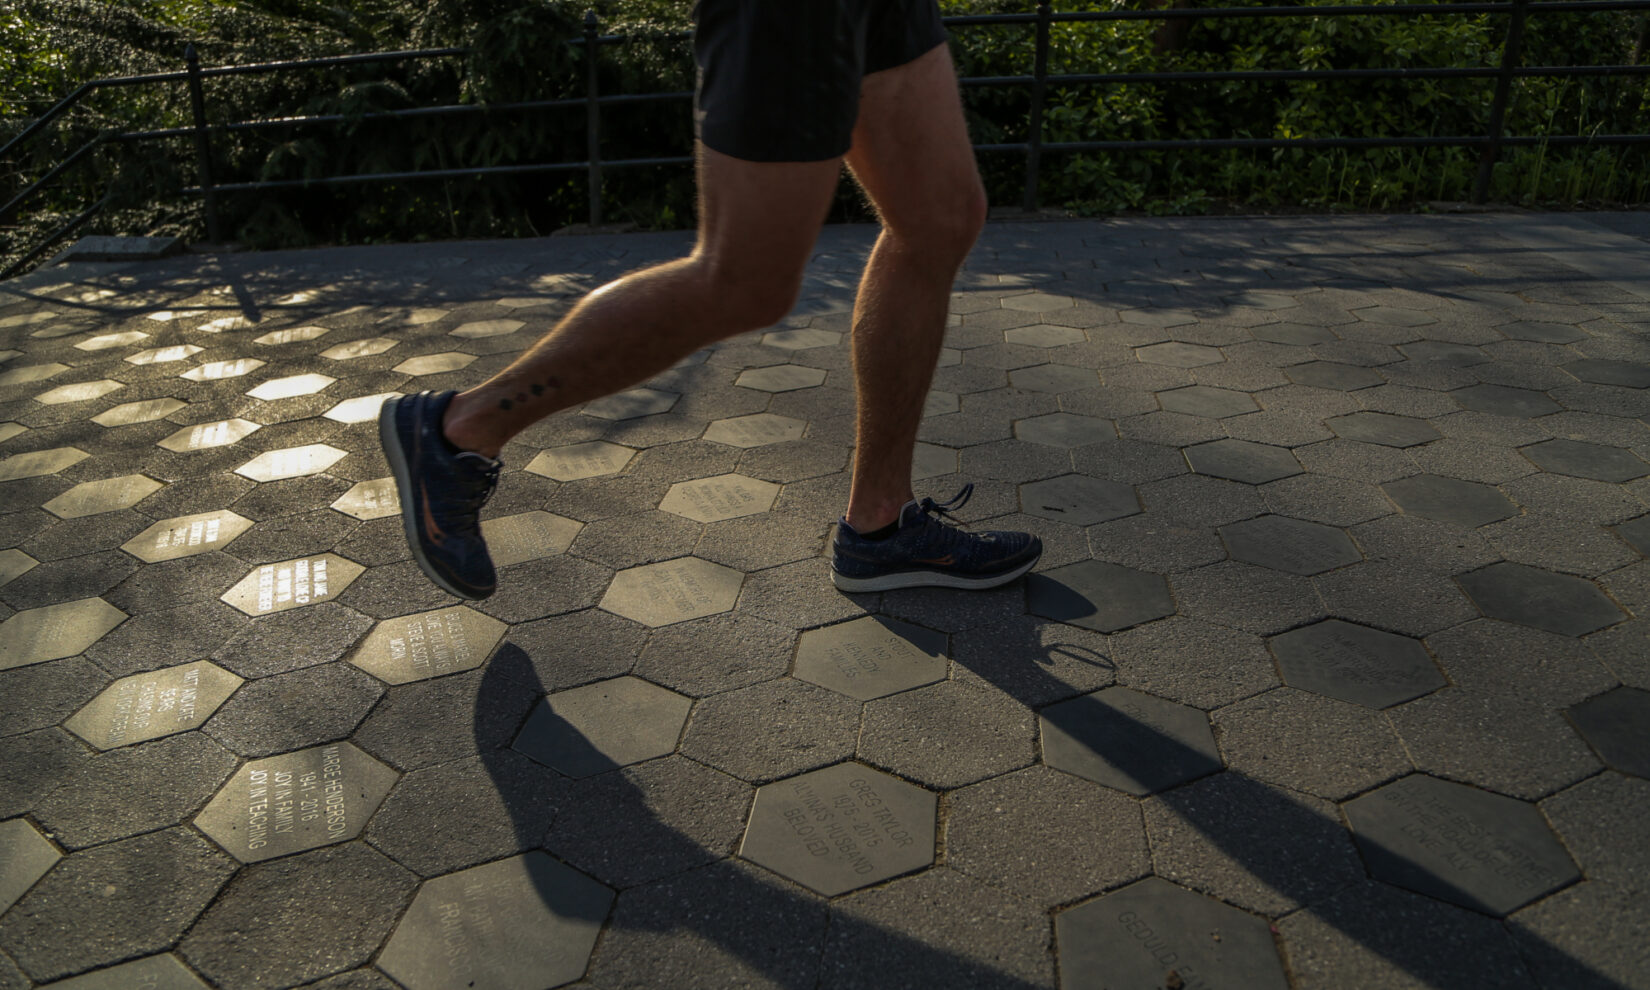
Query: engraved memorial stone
point(24, 858)
point(373, 499)
point(219, 370)
point(1079, 500)
point(523, 923)
point(106, 341)
point(414, 647)
point(435, 364)
point(291, 462)
point(1290, 545)
point(1470, 847)
point(185, 536)
point(15, 563)
point(358, 349)
point(40, 462)
point(635, 403)
point(581, 460)
point(841, 828)
point(153, 704)
point(1099, 596)
point(291, 386)
point(487, 328)
point(1129, 741)
point(871, 657)
point(296, 801)
point(153, 973)
point(91, 498)
point(145, 411)
point(164, 355)
point(1617, 725)
point(603, 726)
point(292, 584)
point(205, 435)
point(1064, 430)
point(31, 373)
point(931, 461)
point(359, 409)
point(1355, 663)
point(528, 536)
point(78, 392)
point(56, 631)
point(1136, 937)
point(757, 430)
point(727, 496)
point(780, 378)
point(673, 591)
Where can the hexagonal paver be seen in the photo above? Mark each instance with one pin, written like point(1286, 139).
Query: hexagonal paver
point(25, 857)
point(603, 726)
point(1290, 545)
point(1530, 596)
point(292, 584)
point(56, 631)
point(930, 461)
point(1243, 460)
point(154, 973)
point(359, 348)
point(415, 647)
point(90, 498)
point(295, 802)
point(1079, 500)
point(435, 364)
point(153, 704)
point(1157, 317)
point(37, 463)
point(1328, 374)
point(1586, 460)
point(633, 404)
point(1383, 428)
point(801, 340)
point(1153, 933)
point(1204, 400)
point(1177, 354)
point(486, 328)
point(32, 373)
point(185, 536)
point(1444, 353)
point(1043, 335)
point(1099, 596)
point(1037, 302)
point(1064, 430)
point(205, 435)
point(780, 378)
point(1297, 334)
point(1629, 374)
point(373, 499)
point(1394, 316)
point(726, 496)
point(1459, 844)
point(78, 392)
point(14, 563)
point(291, 462)
point(523, 922)
point(1129, 741)
point(581, 460)
point(164, 355)
point(224, 323)
point(359, 409)
point(1355, 663)
point(841, 828)
point(528, 536)
point(9, 430)
point(1463, 503)
point(940, 403)
point(1617, 725)
point(1543, 333)
point(105, 341)
point(1053, 378)
point(871, 657)
point(757, 430)
point(673, 591)
point(291, 387)
point(1504, 400)
point(145, 411)
point(219, 370)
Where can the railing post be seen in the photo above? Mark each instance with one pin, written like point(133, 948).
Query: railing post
point(1510, 57)
point(1039, 85)
point(593, 121)
point(203, 143)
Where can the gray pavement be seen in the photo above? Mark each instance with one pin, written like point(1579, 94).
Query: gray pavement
point(1333, 675)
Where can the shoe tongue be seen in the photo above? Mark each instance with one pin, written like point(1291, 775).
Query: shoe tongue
point(479, 461)
point(910, 512)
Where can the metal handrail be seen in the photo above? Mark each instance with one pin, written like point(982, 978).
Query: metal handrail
point(1039, 82)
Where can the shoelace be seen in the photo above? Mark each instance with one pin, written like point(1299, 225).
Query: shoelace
point(488, 469)
point(947, 509)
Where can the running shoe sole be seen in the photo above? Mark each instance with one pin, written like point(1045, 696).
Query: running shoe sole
point(927, 579)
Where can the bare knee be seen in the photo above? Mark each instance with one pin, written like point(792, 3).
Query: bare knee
point(944, 230)
point(749, 293)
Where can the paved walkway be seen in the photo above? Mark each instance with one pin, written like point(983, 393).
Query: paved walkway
point(1332, 675)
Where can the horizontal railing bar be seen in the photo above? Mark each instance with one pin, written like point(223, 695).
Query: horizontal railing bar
point(53, 238)
point(1352, 10)
point(1214, 144)
point(446, 173)
point(1306, 75)
point(57, 170)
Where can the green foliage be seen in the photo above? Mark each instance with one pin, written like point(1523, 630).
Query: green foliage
point(529, 50)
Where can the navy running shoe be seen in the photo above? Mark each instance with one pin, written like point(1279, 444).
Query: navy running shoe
point(442, 491)
point(928, 552)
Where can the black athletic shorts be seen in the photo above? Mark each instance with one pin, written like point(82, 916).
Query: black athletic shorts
point(779, 79)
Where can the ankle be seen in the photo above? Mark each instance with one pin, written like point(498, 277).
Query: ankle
point(870, 518)
point(466, 430)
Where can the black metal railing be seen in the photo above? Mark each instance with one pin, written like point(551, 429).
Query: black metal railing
point(1038, 83)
